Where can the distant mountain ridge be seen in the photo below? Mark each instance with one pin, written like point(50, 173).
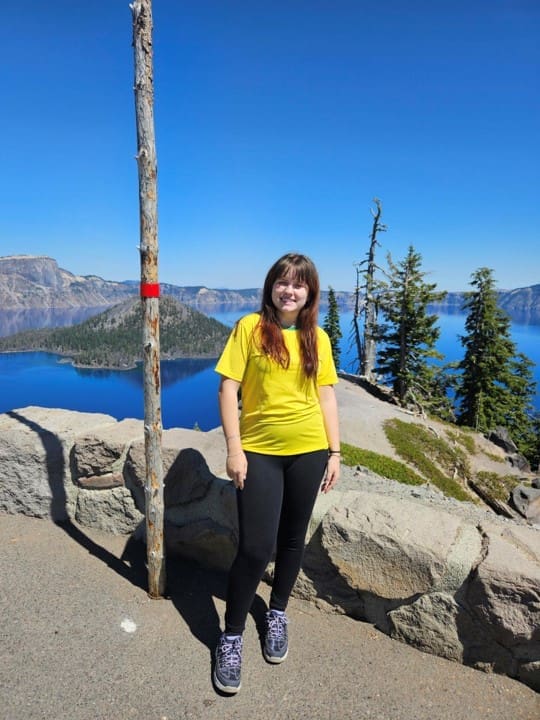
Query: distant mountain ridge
point(32, 281)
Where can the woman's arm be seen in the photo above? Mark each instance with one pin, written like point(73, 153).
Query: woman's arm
point(228, 408)
point(327, 398)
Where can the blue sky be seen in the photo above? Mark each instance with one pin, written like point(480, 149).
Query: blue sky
point(276, 125)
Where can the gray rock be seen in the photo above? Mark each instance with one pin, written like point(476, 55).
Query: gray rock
point(430, 624)
point(35, 446)
point(516, 460)
point(501, 437)
point(529, 673)
point(458, 583)
point(111, 511)
point(102, 451)
point(526, 500)
point(101, 482)
point(504, 592)
point(389, 549)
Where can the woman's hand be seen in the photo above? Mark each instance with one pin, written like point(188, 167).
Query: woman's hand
point(332, 473)
point(228, 406)
point(237, 468)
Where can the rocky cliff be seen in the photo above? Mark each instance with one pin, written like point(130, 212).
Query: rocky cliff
point(28, 281)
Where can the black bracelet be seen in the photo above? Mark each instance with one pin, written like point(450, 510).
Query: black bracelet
point(334, 452)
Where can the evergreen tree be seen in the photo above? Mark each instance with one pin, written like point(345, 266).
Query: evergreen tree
point(484, 387)
point(331, 325)
point(520, 418)
point(534, 457)
point(408, 334)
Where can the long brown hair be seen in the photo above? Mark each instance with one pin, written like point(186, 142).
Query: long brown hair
point(301, 269)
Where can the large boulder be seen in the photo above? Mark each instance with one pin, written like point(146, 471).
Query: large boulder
point(35, 471)
point(501, 437)
point(526, 500)
point(450, 580)
point(200, 507)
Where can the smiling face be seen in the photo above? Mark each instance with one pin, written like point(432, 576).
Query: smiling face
point(291, 292)
point(289, 295)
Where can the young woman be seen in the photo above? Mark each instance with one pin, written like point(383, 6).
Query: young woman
point(282, 449)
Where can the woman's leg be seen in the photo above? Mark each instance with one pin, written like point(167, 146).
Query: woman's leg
point(302, 481)
point(259, 508)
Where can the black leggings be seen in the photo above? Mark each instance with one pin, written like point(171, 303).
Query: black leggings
point(274, 509)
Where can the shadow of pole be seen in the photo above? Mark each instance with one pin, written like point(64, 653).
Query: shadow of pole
point(191, 587)
point(56, 469)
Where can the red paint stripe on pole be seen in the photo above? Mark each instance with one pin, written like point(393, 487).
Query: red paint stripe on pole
point(149, 290)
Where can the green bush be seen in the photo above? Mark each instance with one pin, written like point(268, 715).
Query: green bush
point(467, 441)
point(428, 453)
point(379, 464)
point(497, 486)
point(495, 458)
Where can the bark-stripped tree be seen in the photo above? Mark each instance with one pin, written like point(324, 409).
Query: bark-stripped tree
point(366, 341)
point(147, 170)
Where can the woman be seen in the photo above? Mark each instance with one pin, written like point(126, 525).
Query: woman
point(280, 450)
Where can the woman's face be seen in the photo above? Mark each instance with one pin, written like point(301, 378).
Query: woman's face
point(289, 295)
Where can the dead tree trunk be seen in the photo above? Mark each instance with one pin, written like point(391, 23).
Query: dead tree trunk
point(369, 345)
point(357, 335)
point(147, 167)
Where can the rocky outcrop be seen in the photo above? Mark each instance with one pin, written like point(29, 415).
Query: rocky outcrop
point(451, 581)
point(446, 577)
point(501, 437)
point(526, 500)
point(90, 468)
point(29, 281)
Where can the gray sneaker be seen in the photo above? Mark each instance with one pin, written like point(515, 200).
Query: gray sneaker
point(228, 664)
point(276, 642)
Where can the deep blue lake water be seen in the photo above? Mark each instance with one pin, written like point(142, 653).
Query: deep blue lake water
point(189, 395)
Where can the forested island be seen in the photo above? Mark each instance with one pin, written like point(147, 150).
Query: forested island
point(113, 339)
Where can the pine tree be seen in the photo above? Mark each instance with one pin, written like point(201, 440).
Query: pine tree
point(534, 457)
point(331, 325)
point(484, 387)
point(409, 334)
point(520, 421)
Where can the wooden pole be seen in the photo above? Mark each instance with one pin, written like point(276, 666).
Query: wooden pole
point(147, 167)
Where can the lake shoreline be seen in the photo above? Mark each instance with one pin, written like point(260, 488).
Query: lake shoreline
point(67, 359)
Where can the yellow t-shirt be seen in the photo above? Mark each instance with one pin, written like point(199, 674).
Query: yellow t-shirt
point(281, 413)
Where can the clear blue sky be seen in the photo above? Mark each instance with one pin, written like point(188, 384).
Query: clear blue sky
point(276, 125)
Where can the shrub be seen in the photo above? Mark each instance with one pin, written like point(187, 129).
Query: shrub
point(497, 486)
point(467, 441)
point(379, 464)
point(428, 453)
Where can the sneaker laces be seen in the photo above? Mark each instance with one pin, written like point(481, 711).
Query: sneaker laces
point(230, 652)
point(276, 626)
